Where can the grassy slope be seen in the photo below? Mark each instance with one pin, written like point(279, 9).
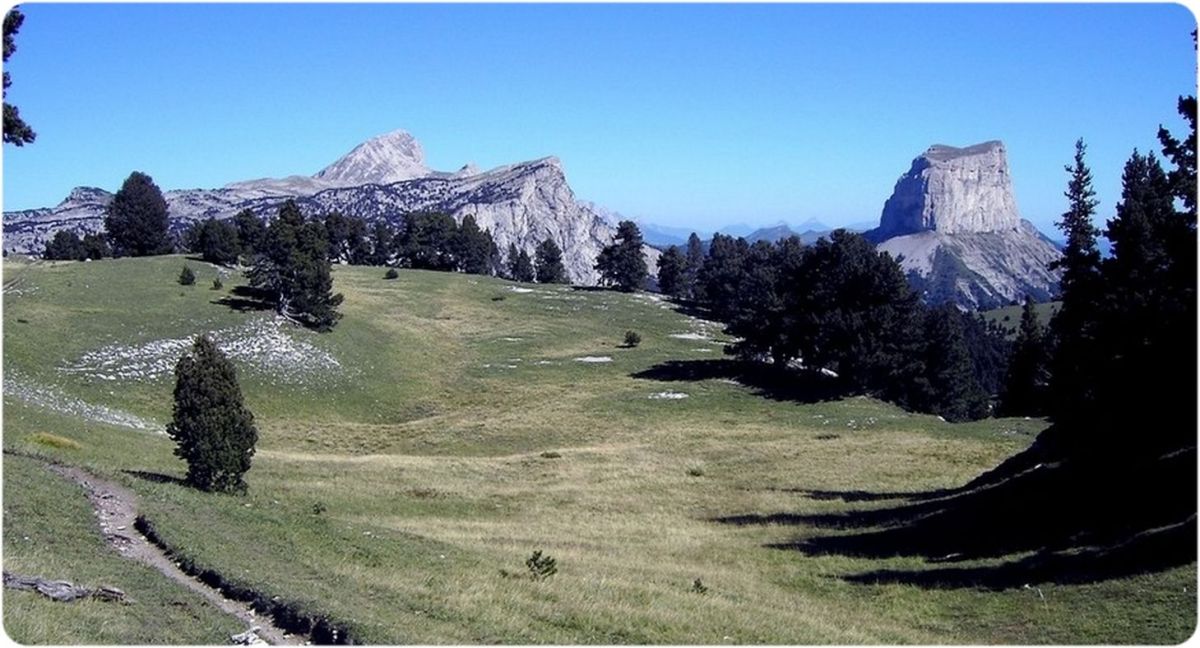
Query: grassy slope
point(429, 465)
point(1010, 316)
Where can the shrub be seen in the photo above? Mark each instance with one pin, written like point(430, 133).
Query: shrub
point(632, 339)
point(541, 567)
point(391, 274)
point(695, 471)
point(187, 277)
point(211, 426)
point(550, 454)
point(698, 587)
point(217, 285)
point(319, 508)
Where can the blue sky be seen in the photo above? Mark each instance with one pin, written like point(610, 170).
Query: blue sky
point(688, 115)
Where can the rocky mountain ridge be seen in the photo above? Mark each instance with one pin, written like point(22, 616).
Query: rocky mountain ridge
point(953, 222)
point(383, 178)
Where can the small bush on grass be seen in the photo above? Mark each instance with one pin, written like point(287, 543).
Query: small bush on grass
point(391, 274)
point(632, 339)
point(217, 285)
point(698, 587)
point(541, 567)
point(187, 277)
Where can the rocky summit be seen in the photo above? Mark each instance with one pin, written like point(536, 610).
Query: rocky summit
point(383, 178)
point(953, 222)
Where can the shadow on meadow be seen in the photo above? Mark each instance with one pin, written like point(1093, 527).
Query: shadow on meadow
point(247, 298)
point(766, 380)
point(1037, 518)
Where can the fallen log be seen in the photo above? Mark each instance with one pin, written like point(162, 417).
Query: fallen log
point(63, 591)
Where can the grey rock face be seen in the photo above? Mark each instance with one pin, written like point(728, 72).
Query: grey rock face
point(381, 179)
point(953, 222)
point(953, 190)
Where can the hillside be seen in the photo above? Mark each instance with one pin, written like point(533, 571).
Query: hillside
point(412, 459)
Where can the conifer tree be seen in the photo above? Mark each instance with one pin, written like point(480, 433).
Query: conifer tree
point(548, 265)
point(946, 385)
point(695, 260)
point(473, 247)
point(672, 269)
point(293, 267)
point(250, 233)
point(621, 264)
point(1024, 390)
point(95, 246)
point(16, 131)
point(1074, 328)
point(218, 242)
point(213, 429)
point(520, 267)
point(136, 219)
point(65, 246)
point(382, 236)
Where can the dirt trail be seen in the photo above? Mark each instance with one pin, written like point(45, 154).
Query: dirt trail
point(116, 509)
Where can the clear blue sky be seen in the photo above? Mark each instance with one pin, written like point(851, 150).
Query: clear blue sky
point(690, 115)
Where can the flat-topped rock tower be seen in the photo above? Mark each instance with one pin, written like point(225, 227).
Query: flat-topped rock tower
point(953, 222)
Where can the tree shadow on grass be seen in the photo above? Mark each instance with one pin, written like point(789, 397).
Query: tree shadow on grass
point(158, 478)
point(1070, 520)
point(247, 299)
point(766, 380)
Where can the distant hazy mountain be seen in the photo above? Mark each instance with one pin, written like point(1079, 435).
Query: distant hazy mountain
point(383, 178)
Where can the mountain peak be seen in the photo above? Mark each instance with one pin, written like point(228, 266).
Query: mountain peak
point(383, 159)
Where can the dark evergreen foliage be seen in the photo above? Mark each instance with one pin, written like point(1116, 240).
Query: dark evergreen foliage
point(632, 339)
point(251, 232)
point(695, 260)
point(672, 273)
point(520, 267)
point(217, 242)
point(65, 246)
point(391, 274)
point(213, 429)
point(382, 237)
point(548, 264)
point(1025, 385)
point(856, 316)
point(718, 278)
point(136, 219)
point(621, 264)
point(473, 248)
point(293, 267)
point(347, 236)
point(187, 277)
point(427, 241)
point(1073, 330)
point(946, 383)
point(765, 285)
point(16, 131)
point(95, 246)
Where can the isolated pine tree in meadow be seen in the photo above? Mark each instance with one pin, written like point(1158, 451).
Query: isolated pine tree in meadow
point(293, 267)
point(136, 219)
point(549, 266)
point(1025, 384)
point(213, 429)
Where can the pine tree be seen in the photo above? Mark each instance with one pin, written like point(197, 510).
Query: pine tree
point(95, 246)
point(251, 232)
point(218, 242)
point(548, 263)
point(1073, 329)
point(427, 241)
point(1025, 384)
point(213, 429)
point(520, 267)
point(16, 131)
point(293, 267)
point(473, 247)
point(65, 246)
point(671, 272)
point(136, 219)
point(187, 277)
point(720, 275)
point(695, 260)
point(382, 236)
point(622, 264)
point(946, 385)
